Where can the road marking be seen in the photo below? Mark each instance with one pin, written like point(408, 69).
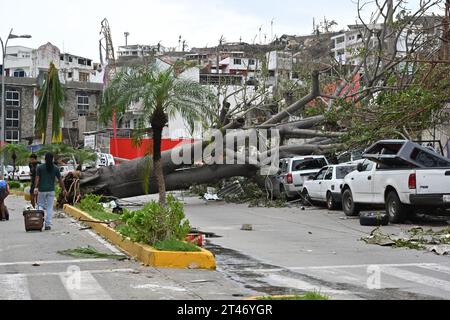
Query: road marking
point(14, 287)
point(83, 286)
point(289, 282)
point(341, 267)
point(417, 278)
point(30, 263)
point(155, 287)
point(45, 274)
point(439, 268)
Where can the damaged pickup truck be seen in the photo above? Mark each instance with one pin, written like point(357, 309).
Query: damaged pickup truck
point(400, 175)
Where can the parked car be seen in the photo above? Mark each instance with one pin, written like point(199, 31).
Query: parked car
point(293, 173)
point(401, 176)
point(64, 170)
point(326, 186)
point(22, 173)
point(349, 156)
point(105, 160)
point(7, 175)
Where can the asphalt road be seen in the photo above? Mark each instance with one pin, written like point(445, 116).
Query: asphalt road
point(32, 268)
point(292, 251)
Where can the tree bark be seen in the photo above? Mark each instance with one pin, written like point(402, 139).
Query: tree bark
point(158, 121)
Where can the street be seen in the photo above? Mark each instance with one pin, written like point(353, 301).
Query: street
point(290, 251)
point(31, 268)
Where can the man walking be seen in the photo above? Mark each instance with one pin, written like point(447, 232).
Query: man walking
point(46, 175)
point(33, 172)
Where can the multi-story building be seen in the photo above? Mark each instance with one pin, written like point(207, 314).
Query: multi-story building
point(33, 63)
point(80, 109)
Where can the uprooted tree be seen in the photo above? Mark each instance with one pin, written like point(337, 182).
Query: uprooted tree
point(394, 85)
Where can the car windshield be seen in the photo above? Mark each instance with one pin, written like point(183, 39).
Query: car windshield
point(342, 172)
point(308, 164)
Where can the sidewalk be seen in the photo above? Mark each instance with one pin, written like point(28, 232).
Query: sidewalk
point(31, 268)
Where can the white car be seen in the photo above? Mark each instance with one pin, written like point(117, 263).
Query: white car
point(326, 186)
point(293, 174)
point(401, 176)
point(22, 173)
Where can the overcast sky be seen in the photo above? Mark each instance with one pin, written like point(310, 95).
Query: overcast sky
point(74, 25)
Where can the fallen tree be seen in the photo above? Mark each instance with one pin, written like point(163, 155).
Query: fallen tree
point(345, 115)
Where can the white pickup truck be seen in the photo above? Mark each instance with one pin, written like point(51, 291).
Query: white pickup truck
point(399, 175)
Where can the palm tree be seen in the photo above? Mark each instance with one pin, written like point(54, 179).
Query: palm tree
point(163, 95)
point(58, 150)
point(50, 106)
point(18, 153)
point(83, 155)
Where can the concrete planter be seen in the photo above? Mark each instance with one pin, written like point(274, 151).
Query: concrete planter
point(148, 255)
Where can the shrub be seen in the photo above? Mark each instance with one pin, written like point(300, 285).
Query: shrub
point(155, 223)
point(91, 203)
point(14, 185)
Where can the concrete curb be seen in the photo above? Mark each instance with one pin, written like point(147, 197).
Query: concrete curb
point(144, 253)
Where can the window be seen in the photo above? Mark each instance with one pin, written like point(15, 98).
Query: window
point(321, 174)
point(429, 160)
point(89, 63)
point(61, 57)
point(367, 166)
point(308, 164)
point(342, 172)
point(70, 59)
point(83, 77)
point(12, 99)
point(70, 74)
point(12, 136)
point(329, 174)
point(83, 105)
point(12, 118)
point(82, 62)
point(19, 73)
point(251, 62)
point(237, 61)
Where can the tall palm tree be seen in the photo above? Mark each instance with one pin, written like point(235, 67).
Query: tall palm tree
point(163, 95)
point(50, 108)
point(18, 153)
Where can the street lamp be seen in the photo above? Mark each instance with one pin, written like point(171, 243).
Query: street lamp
point(2, 123)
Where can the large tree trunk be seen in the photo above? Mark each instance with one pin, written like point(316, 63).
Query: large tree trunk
point(158, 121)
point(48, 137)
point(127, 179)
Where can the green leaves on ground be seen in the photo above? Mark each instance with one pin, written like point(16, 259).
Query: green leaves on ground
point(90, 252)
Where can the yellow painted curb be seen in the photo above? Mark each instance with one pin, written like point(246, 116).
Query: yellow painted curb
point(144, 253)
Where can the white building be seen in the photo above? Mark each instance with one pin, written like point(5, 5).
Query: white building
point(26, 62)
point(139, 51)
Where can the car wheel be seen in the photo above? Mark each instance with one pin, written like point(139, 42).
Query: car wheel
point(351, 209)
point(331, 204)
point(374, 219)
point(395, 209)
point(306, 199)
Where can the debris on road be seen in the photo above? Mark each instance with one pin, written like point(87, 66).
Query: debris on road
point(90, 252)
point(415, 238)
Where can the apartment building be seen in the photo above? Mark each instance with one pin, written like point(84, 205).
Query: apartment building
point(24, 62)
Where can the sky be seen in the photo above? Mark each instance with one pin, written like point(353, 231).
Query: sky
point(74, 26)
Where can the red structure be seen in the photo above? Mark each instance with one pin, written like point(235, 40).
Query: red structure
point(125, 149)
